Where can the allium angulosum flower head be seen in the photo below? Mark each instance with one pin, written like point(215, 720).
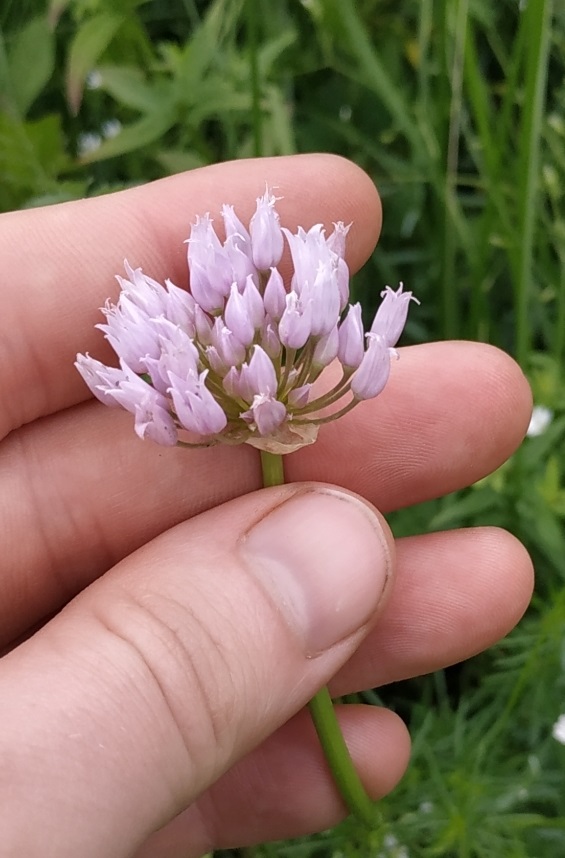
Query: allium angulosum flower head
point(237, 359)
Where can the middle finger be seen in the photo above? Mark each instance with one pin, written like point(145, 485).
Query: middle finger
point(79, 491)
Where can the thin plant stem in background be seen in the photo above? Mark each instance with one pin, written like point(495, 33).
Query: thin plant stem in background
point(537, 18)
point(450, 302)
point(253, 17)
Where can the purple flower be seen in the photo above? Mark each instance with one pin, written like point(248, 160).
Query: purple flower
point(299, 396)
point(266, 414)
point(142, 291)
point(150, 408)
point(261, 375)
point(179, 308)
point(235, 360)
point(100, 379)
point(237, 317)
point(336, 241)
point(177, 354)
point(326, 348)
point(323, 295)
point(274, 297)
point(270, 338)
point(131, 332)
point(195, 406)
point(236, 231)
point(372, 375)
point(351, 338)
point(266, 236)
point(229, 347)
point(391, 315)
point(296, 322)
point(309, 250)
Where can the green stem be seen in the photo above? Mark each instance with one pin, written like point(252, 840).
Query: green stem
point(321, 707)
point(338, 757)
point(538, 17)
point(272, 468)
point(328, 398)
point(253, 20)
point(319, 421)
point(451, 299)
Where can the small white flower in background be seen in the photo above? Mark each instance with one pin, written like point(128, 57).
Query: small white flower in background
point(558, 731)
point(235, 360)
point(111, 128)
point(539, 421)
point(392, 848)
point(88, 142)
point(93, 79)
point(534, 765)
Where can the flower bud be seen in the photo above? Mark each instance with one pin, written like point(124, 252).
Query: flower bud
point(228, 345)
point(351, 338)
point(299, 396)
point(324, 295)
point(266, 236)
point(373, 372)
point(203, 326)
point(336, 241)
point(100, 379)
point(236, 317)
point(253, 302)
point(195, 407)
point(274, 298)
point(391, 316)
point(296, 322)
point(270, 338)
point(180, 307)
point(326, 348)
point(266, 413)
point(261, 375)
point(236, 231)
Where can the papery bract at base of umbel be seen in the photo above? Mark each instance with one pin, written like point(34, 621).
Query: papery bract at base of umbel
point(288, 439)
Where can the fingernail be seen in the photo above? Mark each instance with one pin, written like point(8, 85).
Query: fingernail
point(323, 558)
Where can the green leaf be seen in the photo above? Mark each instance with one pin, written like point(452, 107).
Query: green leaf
point(270, 53)
point(177, 161)
point(64, 192)
point(31, 157)
point(135, 136)
point(544, 528)
point(31, 60)
point(204, 48)
point(27, 147)
point(460, 509)
point(218, 101)
point(56, 9)
point(280, 128)
point(47, 140)
point(128, 86)
point(86, 48)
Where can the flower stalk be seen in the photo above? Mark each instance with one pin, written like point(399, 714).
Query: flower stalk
point(241, 358)
point(321, 706)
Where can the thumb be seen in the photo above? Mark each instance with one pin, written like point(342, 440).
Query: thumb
point(184, 657)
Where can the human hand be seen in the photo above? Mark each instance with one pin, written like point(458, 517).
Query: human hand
point(160, 713)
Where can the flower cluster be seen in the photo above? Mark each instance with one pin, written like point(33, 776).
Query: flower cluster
point(239, 357)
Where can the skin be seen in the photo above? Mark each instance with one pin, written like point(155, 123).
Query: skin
point(152, 697)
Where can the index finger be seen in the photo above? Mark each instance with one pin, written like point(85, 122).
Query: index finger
point(59, 262)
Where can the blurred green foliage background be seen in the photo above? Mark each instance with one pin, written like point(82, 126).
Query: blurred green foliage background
point(457, 111)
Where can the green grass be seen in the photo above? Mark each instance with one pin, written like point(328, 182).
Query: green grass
point(457, 110)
